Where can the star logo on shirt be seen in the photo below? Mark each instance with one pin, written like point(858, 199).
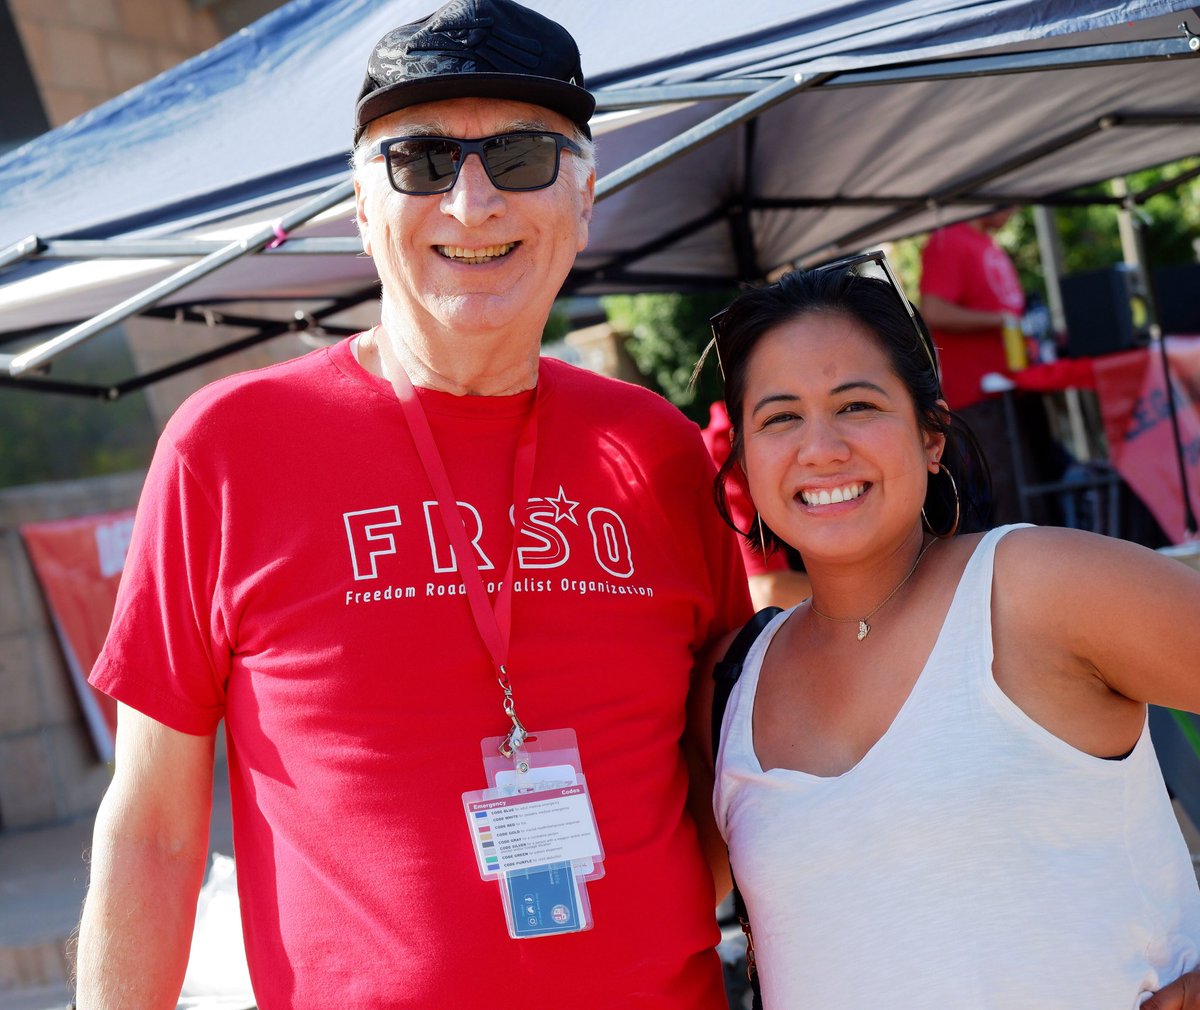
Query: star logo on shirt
point(564, 508)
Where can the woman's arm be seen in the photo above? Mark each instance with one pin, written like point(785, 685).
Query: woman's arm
point(1089, 629)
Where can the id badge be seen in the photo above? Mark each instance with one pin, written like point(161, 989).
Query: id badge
point(544, 901)
point(534, 833)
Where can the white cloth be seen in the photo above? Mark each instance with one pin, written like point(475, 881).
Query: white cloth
point(971, 859)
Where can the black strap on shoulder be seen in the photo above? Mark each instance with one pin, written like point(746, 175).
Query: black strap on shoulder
point(729, 669)
point(726, 674)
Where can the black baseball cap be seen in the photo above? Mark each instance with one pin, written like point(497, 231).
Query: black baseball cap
point(476, 49)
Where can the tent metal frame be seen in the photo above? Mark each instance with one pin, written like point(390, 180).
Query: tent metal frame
point(750, 99)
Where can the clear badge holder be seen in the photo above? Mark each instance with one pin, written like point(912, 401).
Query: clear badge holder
point(534, 833)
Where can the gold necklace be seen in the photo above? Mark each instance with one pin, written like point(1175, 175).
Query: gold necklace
point(864, 628)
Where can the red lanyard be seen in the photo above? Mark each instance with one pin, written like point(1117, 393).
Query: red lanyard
point(494, 626)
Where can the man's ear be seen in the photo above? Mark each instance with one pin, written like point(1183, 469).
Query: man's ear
point(360, 216)
point(589, 196)
point(587, 200)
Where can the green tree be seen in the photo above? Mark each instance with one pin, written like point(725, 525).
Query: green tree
point(667, 335)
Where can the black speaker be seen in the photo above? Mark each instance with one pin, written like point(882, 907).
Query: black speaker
point(1177, 298)
point(1105, 310)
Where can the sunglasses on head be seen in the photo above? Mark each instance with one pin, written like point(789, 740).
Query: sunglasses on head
point(848, 263)
point(516, 162)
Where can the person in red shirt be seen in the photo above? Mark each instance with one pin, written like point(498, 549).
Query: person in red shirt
point(375, 560)
point(970, 292)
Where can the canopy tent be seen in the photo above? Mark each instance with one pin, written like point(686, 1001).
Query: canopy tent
point(733, 139)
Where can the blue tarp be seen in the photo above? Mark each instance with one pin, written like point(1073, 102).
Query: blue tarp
point(269, 108)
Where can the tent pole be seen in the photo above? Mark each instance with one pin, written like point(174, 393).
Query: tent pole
point(299, 322)
point(617, 99)
point(619, 262)
point(740, 222)
point(1050, 249)
point(1125, 227)
point(50, 349)
point(774, 93)
point(968, 187)
point(972, 183)
point(19, 251)
point(118, 248)
point(1050, 252)
point(1133, 247)
point(1166, 184)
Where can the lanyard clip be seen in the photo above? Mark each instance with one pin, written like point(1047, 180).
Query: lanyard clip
point(515, 739)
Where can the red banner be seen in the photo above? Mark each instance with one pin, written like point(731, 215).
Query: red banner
point(79, 563)
point(1137, 423)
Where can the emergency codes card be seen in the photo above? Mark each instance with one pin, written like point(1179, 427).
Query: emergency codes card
point(532, 829)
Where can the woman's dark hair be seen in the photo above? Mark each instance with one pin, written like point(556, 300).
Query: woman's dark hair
point(877, 305)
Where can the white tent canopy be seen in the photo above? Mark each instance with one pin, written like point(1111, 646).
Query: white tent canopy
point(733, 139)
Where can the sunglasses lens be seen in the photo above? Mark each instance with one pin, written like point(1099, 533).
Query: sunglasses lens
point(522, 162)
point(423, 165)
point(514, 161)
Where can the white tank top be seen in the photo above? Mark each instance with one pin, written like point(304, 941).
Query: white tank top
point(970, 860)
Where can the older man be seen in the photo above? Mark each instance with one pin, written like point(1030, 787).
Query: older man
point(376, 560)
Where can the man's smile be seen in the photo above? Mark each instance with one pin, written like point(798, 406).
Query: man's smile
point(483, 254)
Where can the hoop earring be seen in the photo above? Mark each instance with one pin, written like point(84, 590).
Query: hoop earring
point(942, 468)
point(762, 540)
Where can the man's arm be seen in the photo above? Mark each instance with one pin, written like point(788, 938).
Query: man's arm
point(701, 776)
point(148, 856)
point(943, 315)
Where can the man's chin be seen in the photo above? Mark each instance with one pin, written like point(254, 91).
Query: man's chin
point(482, 312)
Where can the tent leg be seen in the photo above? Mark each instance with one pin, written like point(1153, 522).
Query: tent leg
point(1133, 249)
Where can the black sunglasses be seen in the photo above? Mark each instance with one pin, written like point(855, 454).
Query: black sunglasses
point(516, 162)
point(849, 263)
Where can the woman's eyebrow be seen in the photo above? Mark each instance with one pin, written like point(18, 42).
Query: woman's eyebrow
point(774, 398)
point(858, 384)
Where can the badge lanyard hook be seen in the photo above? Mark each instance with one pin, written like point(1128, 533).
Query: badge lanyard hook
point(515, 739)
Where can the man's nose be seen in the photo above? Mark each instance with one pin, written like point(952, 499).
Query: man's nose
point(473, 198)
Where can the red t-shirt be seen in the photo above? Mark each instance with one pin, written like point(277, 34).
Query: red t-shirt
point(962, 265)
point(289, 572)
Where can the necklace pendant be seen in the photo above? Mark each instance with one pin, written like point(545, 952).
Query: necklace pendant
point(864, 629)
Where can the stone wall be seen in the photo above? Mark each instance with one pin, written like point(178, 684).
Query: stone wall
point(49, 769)
point(83, 52)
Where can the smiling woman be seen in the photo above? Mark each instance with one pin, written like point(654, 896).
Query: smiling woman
point(934, 789)
point(875, 313)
